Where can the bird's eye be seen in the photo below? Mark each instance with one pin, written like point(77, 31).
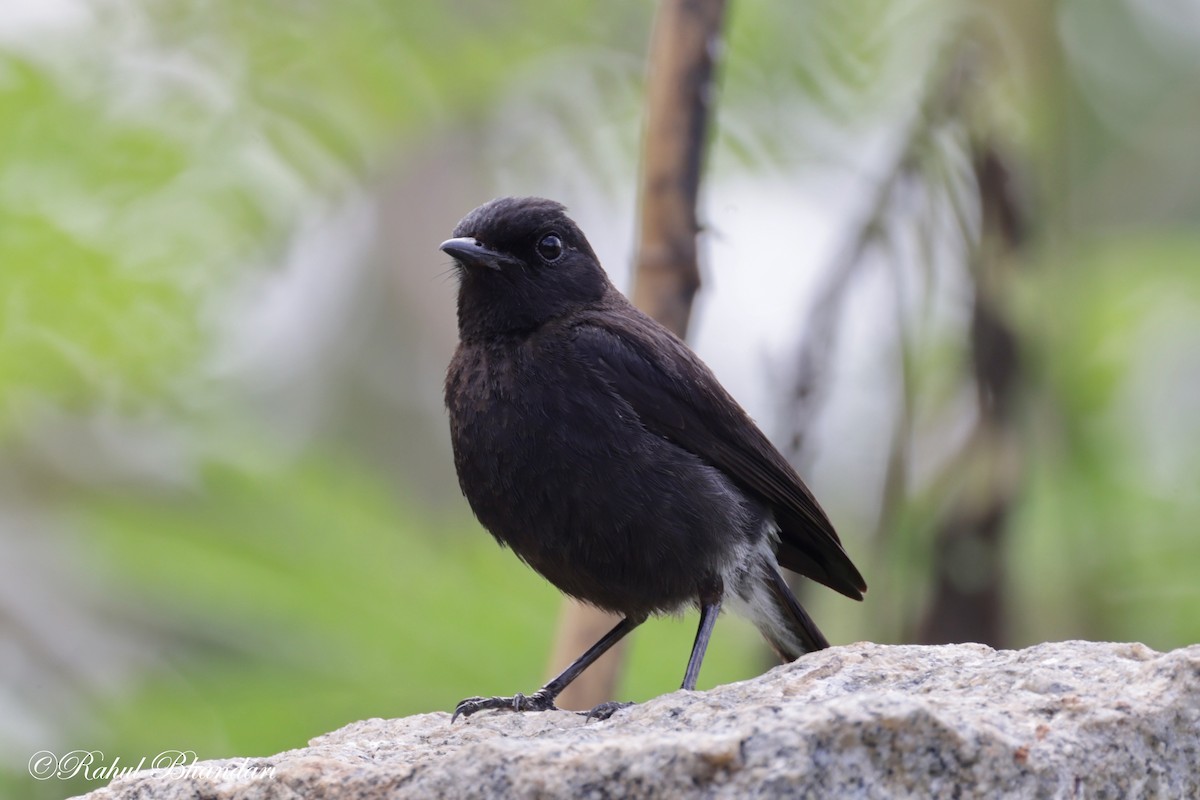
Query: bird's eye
point(550, 247)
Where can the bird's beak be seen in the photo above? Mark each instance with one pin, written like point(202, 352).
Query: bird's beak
point(471, 252)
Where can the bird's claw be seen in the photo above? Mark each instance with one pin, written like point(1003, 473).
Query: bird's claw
point(604, 710)
point(538, 701)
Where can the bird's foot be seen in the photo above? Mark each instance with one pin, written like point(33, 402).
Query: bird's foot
point(538, 701)
point(604, 710)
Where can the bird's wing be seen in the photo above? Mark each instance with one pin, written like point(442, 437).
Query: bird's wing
point(677, 397)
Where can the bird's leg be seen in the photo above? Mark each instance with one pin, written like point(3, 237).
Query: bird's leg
point(543, 698)
point(710, 608)
point(711, 594)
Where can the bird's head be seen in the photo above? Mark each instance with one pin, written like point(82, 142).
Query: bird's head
point(521, 262)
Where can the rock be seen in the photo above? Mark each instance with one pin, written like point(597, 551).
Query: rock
point(1069, 719)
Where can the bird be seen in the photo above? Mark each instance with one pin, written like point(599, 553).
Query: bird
point(599, 448)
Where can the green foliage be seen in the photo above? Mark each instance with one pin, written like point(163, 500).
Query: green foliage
point(1106, 543)
point(87, 314)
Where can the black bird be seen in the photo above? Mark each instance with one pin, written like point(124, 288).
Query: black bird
point(595, 444)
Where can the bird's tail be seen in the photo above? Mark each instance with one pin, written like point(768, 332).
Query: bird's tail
point(778, 615)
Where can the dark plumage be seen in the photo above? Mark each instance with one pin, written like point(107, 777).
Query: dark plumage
point(596, 445)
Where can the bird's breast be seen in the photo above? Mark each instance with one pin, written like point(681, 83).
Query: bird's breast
point(530, 430)
point(557, 466)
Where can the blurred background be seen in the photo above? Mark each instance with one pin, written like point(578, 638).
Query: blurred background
point(951, 265)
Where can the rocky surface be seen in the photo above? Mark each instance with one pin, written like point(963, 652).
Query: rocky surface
point(1070, 719)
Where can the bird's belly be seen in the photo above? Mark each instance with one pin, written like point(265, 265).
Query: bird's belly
point(605, 510)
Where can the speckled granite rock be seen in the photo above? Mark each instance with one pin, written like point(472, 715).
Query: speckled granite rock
point(1071, 719)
